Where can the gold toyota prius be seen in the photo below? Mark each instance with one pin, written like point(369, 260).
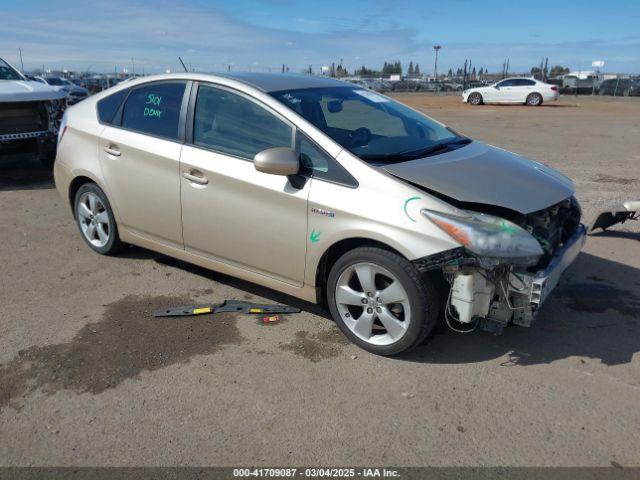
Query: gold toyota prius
point(323, 190)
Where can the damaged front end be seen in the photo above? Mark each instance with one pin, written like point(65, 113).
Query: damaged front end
point(506, 267)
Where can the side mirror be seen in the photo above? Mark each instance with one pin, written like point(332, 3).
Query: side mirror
point(277, 161)
point(496, 87)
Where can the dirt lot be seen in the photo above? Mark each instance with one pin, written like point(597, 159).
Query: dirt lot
point(88, 377)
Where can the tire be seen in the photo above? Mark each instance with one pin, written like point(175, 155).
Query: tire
point(534, 100)
point(96, 221)
point(475, 98)
point(381, 327)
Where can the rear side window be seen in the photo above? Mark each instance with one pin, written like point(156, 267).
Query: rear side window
point(108, 106)
point(154, 109)
point(230, 123)
point(526, 83)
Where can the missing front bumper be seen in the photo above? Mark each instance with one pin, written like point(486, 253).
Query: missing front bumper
point(497, 298)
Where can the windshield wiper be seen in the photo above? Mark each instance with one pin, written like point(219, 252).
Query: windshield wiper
point(415, 154)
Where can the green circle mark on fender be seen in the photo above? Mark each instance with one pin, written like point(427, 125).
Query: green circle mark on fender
point(406, 203)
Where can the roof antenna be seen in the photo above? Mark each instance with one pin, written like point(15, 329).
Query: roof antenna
point(185, 68)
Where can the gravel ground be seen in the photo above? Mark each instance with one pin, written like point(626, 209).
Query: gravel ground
point(88, 377)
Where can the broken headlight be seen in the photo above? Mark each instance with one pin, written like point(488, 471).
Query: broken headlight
point(489, 237)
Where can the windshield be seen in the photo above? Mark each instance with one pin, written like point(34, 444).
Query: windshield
point(371, 126)
point(8, 73)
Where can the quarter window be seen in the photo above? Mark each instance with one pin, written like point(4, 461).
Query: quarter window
point(154, 109)
point(108, 106)
point(229, 123)
point(320, 164)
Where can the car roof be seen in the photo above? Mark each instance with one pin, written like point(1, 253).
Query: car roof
point(274, 82)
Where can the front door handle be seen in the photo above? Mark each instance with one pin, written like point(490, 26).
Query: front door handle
point(112, 151)
point(198, 178)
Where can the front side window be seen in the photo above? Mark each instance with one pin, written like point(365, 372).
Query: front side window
point(506, 83)
point(154, 109)
point(232, 124)
point(371, 126)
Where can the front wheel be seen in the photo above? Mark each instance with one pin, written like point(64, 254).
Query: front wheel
point(534, 100)
point(96, 221)
point(475, 99)
point(380, 302)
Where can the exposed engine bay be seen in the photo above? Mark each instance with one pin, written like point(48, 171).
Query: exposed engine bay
point(491, 293)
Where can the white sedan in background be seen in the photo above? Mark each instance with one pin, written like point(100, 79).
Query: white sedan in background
point(512, 90)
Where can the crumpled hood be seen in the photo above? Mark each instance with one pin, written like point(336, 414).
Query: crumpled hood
point(27, 91)
point(480, 173)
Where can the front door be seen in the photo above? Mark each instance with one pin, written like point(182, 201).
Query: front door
point(231, 212)
point(140, 159)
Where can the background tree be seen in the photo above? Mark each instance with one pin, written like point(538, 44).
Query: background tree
point(558, 70)
point(410, 70)
point(450, 73)
point(416, 70)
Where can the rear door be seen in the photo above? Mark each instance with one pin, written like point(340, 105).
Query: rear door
point(523, 88)
point(140, 159)
point(231, 212)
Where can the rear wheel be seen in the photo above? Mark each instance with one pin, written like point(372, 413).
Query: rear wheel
point(475, 99)
point(534, 100)
point(380, 302)
point(96, 221)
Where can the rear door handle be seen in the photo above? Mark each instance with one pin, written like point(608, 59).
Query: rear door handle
point(198, 178)
point(112, 151)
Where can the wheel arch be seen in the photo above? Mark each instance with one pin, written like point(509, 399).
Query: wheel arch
point(334, 252)
point(82, 178)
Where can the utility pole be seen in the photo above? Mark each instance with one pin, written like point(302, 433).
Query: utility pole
point(436, 48)
point(21, 64)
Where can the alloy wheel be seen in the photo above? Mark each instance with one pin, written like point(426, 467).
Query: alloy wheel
point(93, 219)
point(534, 99)
point(372, 303)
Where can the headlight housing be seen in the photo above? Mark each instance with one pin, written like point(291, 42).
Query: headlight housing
point(489, 237)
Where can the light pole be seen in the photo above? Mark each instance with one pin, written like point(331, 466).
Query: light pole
point(436, 48)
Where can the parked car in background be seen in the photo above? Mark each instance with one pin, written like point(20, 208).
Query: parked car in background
point(622, 87)
point(451, 87)
point(30, 115)
point(74, 92)
point(322, 190)
point(381, 86)
point(583, 83)
point(405, 86)
point(512, 90)
point(359, 82)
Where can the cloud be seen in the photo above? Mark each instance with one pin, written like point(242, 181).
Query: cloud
point(107, 34)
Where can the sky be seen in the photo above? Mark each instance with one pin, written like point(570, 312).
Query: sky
point(213, 35)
